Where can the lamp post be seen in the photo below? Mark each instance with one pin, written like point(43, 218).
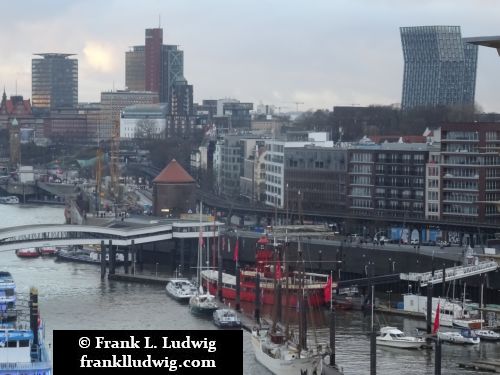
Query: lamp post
point(389, 292)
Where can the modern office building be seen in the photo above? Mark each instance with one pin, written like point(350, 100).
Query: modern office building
point(439, 67)
point(113, 102)
point(153, 59)
point(143, 121)
point(154, 67)
point(54, 81)
point(135, 69)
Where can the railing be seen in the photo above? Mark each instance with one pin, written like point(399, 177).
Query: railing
point(25, 366)
point(451, 273)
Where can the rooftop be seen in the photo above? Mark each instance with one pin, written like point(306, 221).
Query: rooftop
point(174, 173)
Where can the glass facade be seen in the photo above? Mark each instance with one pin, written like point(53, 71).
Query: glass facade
point(440, 68)
point(54, 81)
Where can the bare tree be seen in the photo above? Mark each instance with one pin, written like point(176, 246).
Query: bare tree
point(146, 129)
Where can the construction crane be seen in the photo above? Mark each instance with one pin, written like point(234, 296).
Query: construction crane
point(114, 163)
point(98, 178)
point(297, 105)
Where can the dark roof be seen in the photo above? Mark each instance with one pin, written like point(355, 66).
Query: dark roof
point(487, 41)
point(173, 173)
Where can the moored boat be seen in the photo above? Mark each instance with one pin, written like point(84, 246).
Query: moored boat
point(203, 304)
point(485, 334)
point(281, 351)
point(11, 199)
point(22, 349)
point(86, 256)
point(180, 289)
point(47, 250)
point(8, 310)
point(29, 252)
point(315, 284)
point(465, 336)
point(226, 318)
point(283, 357)
point(394, 338)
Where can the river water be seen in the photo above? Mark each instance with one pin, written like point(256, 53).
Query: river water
point(72, 296)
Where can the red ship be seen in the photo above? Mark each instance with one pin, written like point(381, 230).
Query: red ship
point(317, 286)
point(29, 252)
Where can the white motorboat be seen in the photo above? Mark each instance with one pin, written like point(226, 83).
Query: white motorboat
point(485, 334)
point(180, 289)
point(12, 199)
point(226, 318)
point(465, 336)
point(394, 338)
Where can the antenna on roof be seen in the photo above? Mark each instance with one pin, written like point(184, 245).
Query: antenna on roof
point(159, 21)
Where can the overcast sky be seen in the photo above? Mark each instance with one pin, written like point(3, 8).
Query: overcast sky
point(322, 53)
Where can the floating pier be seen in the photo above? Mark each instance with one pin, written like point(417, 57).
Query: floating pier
point(481, 365)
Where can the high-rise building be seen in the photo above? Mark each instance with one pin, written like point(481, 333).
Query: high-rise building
point(54, 81)
point(153, 59)
point(440, 68)
point(172, 71)
point(155, 67)
point(135, 69)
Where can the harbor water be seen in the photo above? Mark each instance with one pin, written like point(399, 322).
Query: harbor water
point(72, 296)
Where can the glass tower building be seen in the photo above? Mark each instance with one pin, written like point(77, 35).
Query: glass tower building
point(440, 68)
point(155, 67)
point(54, 81)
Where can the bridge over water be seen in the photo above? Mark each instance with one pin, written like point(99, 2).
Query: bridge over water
point(120, 233)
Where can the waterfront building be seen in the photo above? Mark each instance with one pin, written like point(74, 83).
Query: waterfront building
point(113, 102)
point(54, 81)
point(316, 179)
point(275, 161)
point(174, 191)
point(143, 121)
point(228, 158)
point(387, 180)
point(470, 172)
point(253, 178)
point(439, 67)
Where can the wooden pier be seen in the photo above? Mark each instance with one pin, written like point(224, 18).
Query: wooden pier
point(481, 365)
point(145, 279)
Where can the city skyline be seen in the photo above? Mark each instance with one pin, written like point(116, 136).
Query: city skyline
point(326, 54)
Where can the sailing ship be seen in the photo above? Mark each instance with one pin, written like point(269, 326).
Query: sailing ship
point(202, 303)
point(278, 349)
point(180, 289)
point(315, 284)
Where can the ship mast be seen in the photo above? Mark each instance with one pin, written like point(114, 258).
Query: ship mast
point(302, 303)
